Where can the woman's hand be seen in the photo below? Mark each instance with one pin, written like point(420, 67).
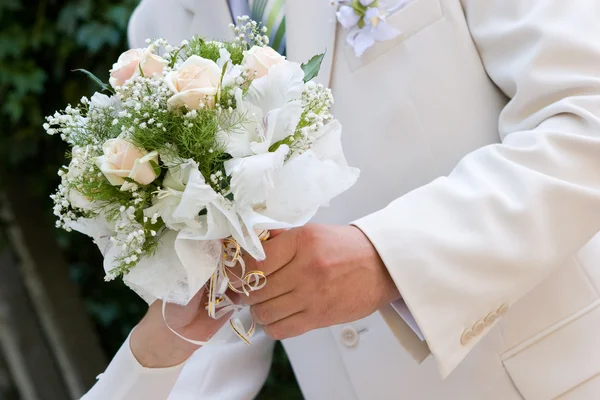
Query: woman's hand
point(155, 346)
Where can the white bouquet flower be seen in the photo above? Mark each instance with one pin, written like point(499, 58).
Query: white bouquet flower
point(197, 153)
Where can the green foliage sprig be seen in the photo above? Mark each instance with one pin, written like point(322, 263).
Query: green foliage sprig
point(211, 50)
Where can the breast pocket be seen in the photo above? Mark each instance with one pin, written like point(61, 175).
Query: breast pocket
point(416, 16)
point(561, 363)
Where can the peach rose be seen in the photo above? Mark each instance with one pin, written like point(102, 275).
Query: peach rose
point(195, 84)
point(122, 159)
point(129, 64)
point(260, 59)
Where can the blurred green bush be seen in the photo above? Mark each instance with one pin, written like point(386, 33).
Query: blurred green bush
point(41, 42)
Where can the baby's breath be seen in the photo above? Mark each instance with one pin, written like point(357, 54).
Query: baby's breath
point(249, 33)
point(136, 237)
point(317, 101)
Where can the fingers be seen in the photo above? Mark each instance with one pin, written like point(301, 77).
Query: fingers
point(292, 326)
point(277, 285)
point(276, 232)
point(276, 309)
point(280, 250)
point(236, 271)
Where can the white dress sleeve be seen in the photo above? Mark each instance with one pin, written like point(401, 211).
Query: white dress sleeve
point(218, 371)
point(228, 371)
point(125, 378)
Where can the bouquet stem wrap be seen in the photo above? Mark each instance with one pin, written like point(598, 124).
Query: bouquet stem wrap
point(219, 304)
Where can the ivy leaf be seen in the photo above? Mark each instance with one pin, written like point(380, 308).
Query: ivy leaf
point(95, 35)
point(312, 67)
point(96, 80)
point(155, 167)
point(9, 5)
point(13, 43)
point(72, 15)
point(119, 15)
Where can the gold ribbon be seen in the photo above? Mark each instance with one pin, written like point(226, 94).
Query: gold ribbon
point(225, 277)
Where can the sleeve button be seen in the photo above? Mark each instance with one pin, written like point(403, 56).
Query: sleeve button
point(490, 318)
point(466, 337)
point(478, 328)
point(502, 310)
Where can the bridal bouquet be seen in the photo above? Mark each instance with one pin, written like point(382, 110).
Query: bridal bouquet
point(195, 153)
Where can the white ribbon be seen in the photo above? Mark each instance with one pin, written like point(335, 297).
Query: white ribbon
point(164, 315)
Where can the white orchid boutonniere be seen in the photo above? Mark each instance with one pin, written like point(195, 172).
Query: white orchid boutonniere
point(366, 22)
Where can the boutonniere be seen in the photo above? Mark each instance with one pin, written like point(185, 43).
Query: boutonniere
point(366, 23)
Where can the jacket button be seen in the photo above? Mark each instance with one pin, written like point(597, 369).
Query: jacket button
point(349, 336)
point(502, 310)
point(490, 318)
point(466, 337)
point(478, 328)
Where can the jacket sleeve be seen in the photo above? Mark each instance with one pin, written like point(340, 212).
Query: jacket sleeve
point(464, 248)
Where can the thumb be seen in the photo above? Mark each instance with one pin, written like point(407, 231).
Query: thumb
point(276, 232)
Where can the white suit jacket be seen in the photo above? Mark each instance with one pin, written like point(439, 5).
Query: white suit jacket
point(478, 135)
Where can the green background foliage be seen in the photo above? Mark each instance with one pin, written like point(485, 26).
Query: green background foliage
point(41, 43)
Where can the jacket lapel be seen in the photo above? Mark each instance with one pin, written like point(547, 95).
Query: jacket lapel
point(311, 27)
point(211, 18)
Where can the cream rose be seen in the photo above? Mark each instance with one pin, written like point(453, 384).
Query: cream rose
point(122, 159)
point(195, 84)
point(129, 64)
point(260, 59)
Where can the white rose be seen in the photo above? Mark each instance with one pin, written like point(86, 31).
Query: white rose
point(260, 59)
point(99, 100)
point(122, 159)
point(195, 84)
point(129, 64)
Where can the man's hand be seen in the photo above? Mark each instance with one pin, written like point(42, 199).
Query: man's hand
point(318, 276)
point(155, 346)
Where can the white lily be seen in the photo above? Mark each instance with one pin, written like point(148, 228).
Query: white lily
point(167, 200)
point(277, 195)
point(375, 30)
point(267, 114)
point(252, 178)
point(347, 17)
point(366, 26)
